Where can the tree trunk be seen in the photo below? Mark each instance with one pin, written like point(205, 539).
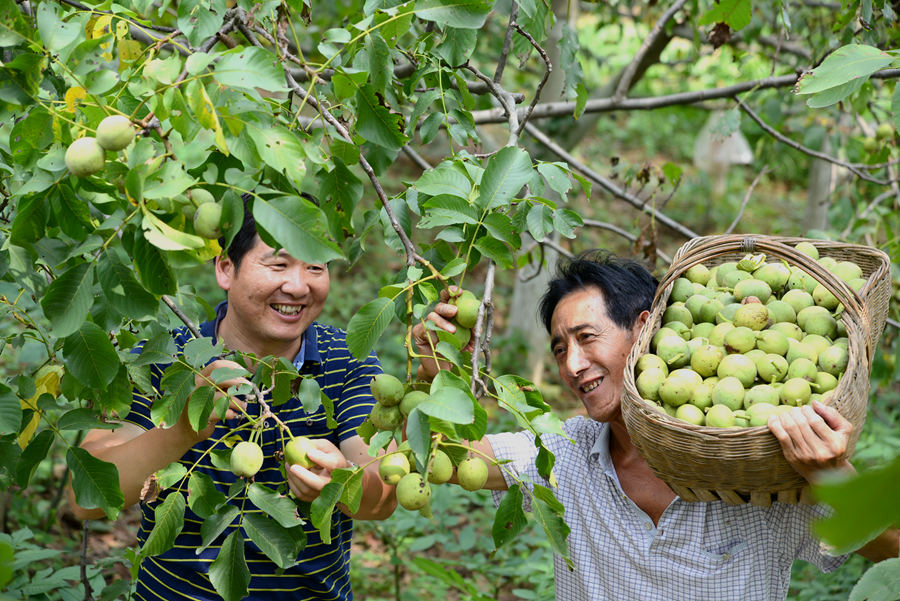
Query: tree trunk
point(820, 186)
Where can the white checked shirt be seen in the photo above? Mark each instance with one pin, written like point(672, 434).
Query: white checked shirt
point(698, 551)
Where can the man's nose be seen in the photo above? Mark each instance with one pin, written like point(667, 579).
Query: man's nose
point(576, 360)
point(295, 282)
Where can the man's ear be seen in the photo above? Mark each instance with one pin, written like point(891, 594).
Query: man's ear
point(225, 272)
point(639, 323)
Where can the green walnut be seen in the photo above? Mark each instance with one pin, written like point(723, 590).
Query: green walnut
point(387, 389)
point(295, 451)
point(411, 400)
point(115, 132)
point(84, 157)
point(207, 219)
point(393, 467)
point(467, 309)
point(441, 468)
point(472, 473)
point(884, 131)
point(385, 418)
point(413, 492)
point(246, 459)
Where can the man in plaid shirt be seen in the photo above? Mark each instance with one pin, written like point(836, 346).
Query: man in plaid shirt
point(631, 536)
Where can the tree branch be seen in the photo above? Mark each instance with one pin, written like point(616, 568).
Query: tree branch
point(416, 158)
point(503, 97)
point(606, 184)
point(740, 214)
point(625, 234)
point(540, 88)
point(507, 42)
point(813, 153)
point(485, 316)
point(184, 318)
point(628, 75)
point(606, 105)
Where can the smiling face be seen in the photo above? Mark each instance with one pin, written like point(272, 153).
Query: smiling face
point(591, 351)
point(272, 300)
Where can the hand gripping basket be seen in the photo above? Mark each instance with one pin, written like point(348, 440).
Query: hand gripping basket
point(746, 465)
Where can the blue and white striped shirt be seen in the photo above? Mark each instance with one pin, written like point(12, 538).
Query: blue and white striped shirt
point(697, 551)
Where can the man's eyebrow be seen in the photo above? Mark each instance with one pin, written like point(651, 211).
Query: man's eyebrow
point(554, 340)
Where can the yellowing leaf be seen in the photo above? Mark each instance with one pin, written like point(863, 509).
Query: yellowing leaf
point(46, 381)
point(121, 29)
point(129, 51)
point(205, 112)
point(100, 28)
point(74, 95)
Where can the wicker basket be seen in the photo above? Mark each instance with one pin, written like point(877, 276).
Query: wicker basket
point(746, 465)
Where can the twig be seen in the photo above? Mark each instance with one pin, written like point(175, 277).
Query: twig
point(509, 111)
point(892, 323)
point(813, 153)
point(507, 42)
point(740, 214)
point(869, 208)
point(605, 105)
point(88, 593)
point(184, 318)
point(486, 302)
point(548, 69)
point(625, 234)
point(552, 244)
point(416, 158)
point(80, 6)
point(411, 255)
point(606, 184)
point(628, 75)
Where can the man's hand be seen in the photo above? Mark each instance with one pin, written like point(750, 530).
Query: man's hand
point(307, 483)
point(235, 408)
point(814, 439)
point(426, 340)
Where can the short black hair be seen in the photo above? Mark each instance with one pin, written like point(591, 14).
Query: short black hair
point(245, 239)
point(628, 287)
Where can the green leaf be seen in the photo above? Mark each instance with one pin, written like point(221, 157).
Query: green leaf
point(418, 433)
point(152, 268)
point(215, 525)
point(33, 454)
point(734, 13)
point(168, 523)
point(447, 178)
point(881, 582)
point(835, 94)
point(201, 405)
point(539, 221)
point(200, 351)
point(204, 498)
point(248, 68)
point(228, 572)
point(565, 221)
point(495, 250)
point(178, 383)
point(158, 349)
point(170, 475)
point(298, 226)
point(449, 404)
point(90, 356)
point(341, 190)
point(864, 505)
point(445, 210)
point(30, 222)
point(376, 123)
point(505, 174)
point(10, 410)
point(280, 149)
point(557, 178)
point(457, 46)
point(549, 513)
point(199, 19)
point(280, 544)
point(322, 508)
point(462, 14)
point(367, 326)
point(278, 506)
point(510, 517)
point(843, 65)
point(122, 289)
point(95, 482)
point(380, 67)
point(13, 28)
point(83, 419)
point(68, 299)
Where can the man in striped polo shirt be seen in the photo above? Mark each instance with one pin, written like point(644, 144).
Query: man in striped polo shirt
point(631, 537)
point(272, 301)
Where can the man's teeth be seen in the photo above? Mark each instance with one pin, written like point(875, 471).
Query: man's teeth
point(589, 387)
point(287, 309)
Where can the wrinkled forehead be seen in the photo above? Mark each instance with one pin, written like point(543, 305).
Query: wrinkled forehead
point(581, 306)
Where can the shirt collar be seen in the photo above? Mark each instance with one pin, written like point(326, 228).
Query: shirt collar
point(600, 451)
point(309, 346)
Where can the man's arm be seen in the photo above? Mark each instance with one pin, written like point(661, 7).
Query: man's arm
point(815, 440)
point(138, 453)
